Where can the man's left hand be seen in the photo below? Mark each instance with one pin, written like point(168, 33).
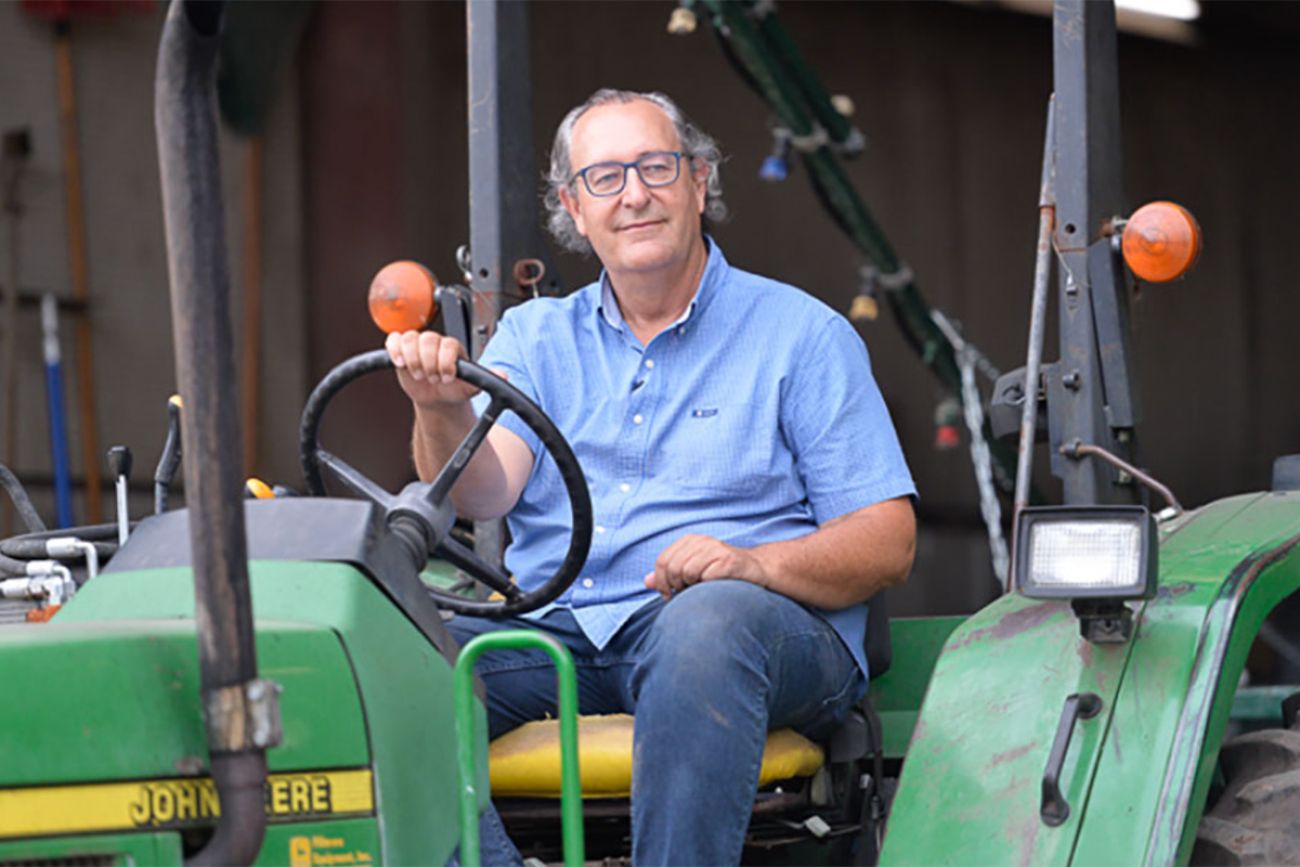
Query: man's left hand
point(695, 558)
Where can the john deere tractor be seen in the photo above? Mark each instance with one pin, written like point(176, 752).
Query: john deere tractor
point(271, 681)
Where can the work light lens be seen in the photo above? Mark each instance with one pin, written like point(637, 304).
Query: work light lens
point(1086, 552)
point(1093, 554)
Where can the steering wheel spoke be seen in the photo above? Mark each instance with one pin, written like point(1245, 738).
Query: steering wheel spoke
point(354, 481)
point(447, 477)
point(472, 564)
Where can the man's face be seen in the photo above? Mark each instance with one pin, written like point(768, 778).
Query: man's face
point(641, 229)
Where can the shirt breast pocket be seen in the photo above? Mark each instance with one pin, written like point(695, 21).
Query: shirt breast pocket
point(718, 447)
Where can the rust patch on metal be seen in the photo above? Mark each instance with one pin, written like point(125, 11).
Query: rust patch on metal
point(1014, 623)
point(1024, 619)
point(1173, 591)
point(1011, 755)
point(1025, 832)
point(1085, 653)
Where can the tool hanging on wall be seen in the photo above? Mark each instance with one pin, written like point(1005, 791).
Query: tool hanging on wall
point(60, 13)
point(54, 395)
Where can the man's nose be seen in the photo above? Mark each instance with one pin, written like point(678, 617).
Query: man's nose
point(635, 192)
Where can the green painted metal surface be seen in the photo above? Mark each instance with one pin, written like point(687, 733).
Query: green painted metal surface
point(1136, 775)
point(969, 792)
point(897, 694)
point(343, 843)
point(1261, 706)
point(1239, 571)
point(405, 684)
point(120, 700)
point(122, 850)
point(1192, 645)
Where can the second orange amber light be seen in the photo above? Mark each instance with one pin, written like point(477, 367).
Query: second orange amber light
point(401, 297)
point(1161, 242)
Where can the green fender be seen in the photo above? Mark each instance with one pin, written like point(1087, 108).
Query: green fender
point(1137, 773)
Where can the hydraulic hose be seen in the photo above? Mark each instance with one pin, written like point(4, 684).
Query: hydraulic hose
point(11, 566)
point(185, 112)
point(22, 502)
point(31, 548)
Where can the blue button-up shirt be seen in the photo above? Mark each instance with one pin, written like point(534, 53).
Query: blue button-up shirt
point(754, 418)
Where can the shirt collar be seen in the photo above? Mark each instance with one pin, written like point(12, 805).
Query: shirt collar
point(715, 270)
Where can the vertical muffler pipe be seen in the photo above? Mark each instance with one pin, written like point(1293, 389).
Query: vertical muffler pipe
point(240, 711)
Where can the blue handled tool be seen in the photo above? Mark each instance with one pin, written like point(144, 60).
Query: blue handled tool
point(54, 395)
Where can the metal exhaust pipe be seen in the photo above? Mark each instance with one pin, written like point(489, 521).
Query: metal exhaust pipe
point(240, 712)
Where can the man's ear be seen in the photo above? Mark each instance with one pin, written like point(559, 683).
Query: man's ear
point(700, 174)
point(571, 205)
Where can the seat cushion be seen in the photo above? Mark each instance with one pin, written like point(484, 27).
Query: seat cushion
point(525, 763)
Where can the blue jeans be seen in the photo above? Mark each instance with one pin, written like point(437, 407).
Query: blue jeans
point(706, 674)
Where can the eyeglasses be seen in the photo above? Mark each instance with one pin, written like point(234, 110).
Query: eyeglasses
point(656, 169)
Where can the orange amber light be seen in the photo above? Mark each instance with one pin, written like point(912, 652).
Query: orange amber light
point(401, 297)
point(1161, 242)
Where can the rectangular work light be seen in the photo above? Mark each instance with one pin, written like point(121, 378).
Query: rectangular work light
point(1086, 552)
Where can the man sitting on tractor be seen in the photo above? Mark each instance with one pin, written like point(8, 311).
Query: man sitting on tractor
point(748, 488)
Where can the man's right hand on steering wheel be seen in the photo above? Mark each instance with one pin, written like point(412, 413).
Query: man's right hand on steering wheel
point(426, 368)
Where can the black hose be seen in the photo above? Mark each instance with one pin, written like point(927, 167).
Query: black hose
point(28, 548)
point(90, 533)
point(22, 502)
point(10, 566)
point(241, 780)
point(186, 117)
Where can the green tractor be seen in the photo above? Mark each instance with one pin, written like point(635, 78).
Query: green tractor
point(271, 680)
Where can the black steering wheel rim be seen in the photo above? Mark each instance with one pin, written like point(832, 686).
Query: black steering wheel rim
point(504, 396)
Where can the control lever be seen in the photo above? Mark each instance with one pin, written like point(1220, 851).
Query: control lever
point(170, 460)
point(119, 463)
point(454, 303)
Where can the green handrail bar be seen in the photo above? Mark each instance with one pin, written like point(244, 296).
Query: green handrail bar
point(570, 782)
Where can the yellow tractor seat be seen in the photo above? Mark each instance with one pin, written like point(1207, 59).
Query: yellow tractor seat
point(525, 763)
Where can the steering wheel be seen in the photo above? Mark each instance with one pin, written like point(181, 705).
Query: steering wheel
point(422, 515)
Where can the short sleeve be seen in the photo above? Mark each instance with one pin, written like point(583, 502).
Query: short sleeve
point(835, 419)
point(505, 352)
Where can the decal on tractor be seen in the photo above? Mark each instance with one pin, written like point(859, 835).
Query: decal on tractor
point(319, 850)
point(176, 803)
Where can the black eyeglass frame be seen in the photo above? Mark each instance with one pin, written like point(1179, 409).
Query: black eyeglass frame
point(636, 164)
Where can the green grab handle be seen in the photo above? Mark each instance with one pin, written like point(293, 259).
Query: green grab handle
point(570, 782)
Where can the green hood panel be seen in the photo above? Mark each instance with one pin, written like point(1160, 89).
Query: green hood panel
point(110, 688)
point(970, 792)
point(120, 700)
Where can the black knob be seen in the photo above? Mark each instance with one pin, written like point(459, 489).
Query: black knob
point(119, 461)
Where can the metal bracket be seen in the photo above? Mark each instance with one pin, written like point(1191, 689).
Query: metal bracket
point(1103, 621)
point(247, 714)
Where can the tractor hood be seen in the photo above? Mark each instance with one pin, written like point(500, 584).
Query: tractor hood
point(1135, 775)
point(103, 730)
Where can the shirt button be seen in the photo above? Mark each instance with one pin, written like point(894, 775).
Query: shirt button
point(650, 362)
point(637, 419)
point(600, 529)
point(625, 487)
point(587, 582)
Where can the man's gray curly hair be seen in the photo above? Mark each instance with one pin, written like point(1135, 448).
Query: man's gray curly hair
point(696, 144)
